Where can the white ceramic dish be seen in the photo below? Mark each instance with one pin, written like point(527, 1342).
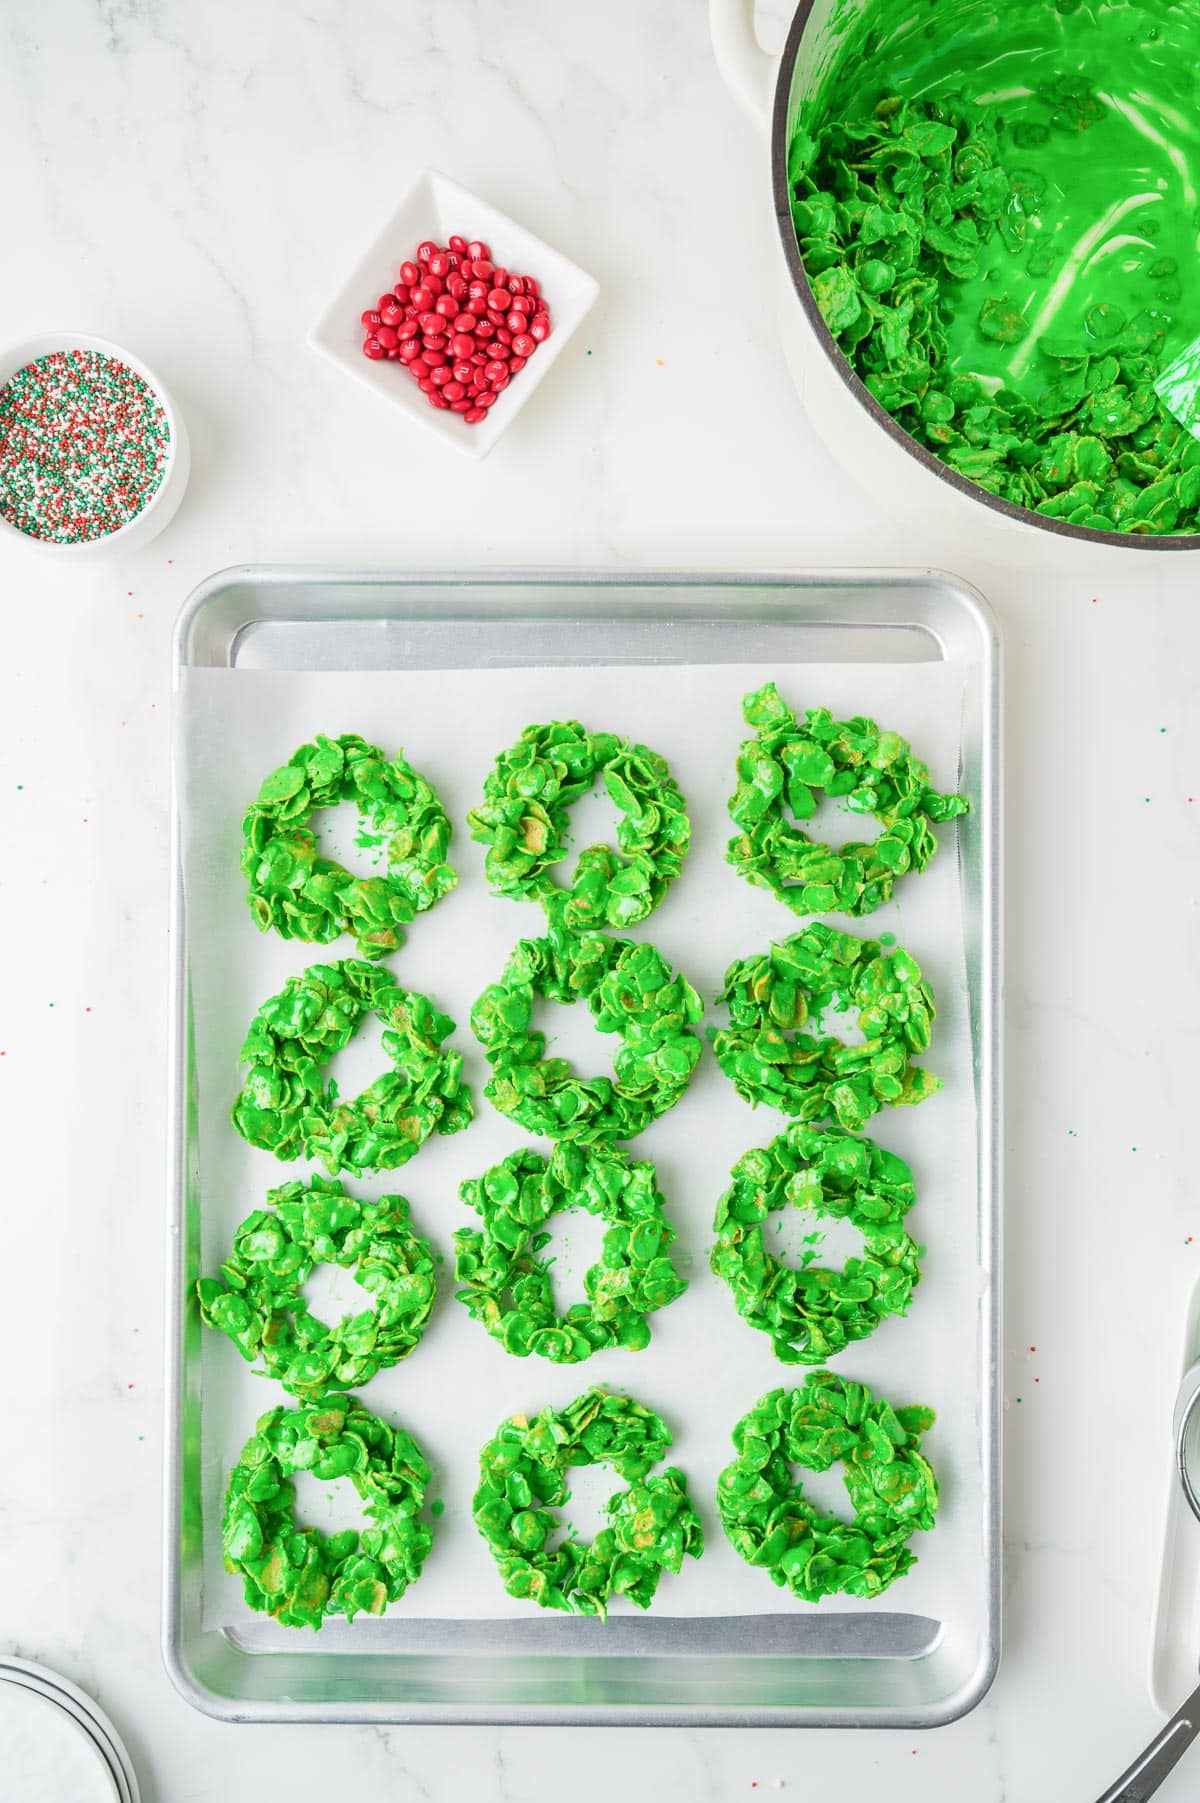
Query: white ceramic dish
point(435, 207)
point(1175, 1634)
point(110, 1775)
point(47, 1754)
point(163, 504)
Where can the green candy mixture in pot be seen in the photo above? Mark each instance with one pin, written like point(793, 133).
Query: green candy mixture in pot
point(998, 209)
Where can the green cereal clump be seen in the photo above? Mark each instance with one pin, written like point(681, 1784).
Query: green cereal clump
point(812, 1313)
point(890, 209)
point(258, 1299)
point(782, 771)
point(300, 1575)
point(631, 991)
point(523, 822)
point(286, 1107)
point(770, 997)
point(302, 895)
point(651, 1524)
point(892, 1489)
point(509, 1286)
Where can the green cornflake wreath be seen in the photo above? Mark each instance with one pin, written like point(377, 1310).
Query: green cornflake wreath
point(772, 995)
point(286, 1108)
point(780, 772)
point(300, 1575)
point(523, 822)
point(305, 896)
point(892, 1489)
point(631, 991)
point(652, 1523)
point(812, 1313)
point(508, 1286)
point(258, 1299)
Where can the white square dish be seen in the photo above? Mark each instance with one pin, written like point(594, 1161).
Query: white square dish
point(435, 207)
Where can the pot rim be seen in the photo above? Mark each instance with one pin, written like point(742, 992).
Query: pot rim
point(1025, 516)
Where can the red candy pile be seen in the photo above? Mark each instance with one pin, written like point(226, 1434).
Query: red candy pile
point(463, 327)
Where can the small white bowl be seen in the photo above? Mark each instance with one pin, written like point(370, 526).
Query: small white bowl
point(162, 505)
point(435, 207)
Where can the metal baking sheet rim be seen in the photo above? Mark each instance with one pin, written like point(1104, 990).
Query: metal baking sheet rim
point(674, 583)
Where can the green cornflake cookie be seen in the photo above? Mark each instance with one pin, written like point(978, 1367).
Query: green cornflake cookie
point(523, 823)
point(892, 1489)
point(300, 1575)
point(523, 1478)
point(286, 1108)
point(631, 991)
point(305, 896)
point(771, 996)
point(258, 1300)
point(508, 1286)
point(780, 773)
point(811, 1313)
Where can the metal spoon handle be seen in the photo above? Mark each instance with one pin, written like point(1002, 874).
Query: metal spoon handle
point(1152, 1765)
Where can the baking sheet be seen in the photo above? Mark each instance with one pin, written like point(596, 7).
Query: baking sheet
point(704, 1366)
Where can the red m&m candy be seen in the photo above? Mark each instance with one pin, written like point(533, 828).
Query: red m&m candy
point(462, 325)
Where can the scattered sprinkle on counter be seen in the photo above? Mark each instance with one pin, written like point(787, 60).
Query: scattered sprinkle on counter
point(83, 446)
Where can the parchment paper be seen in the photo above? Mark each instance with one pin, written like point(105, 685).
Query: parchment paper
point(704, 1366)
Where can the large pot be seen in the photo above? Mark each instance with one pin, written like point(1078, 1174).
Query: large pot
point(869, 444)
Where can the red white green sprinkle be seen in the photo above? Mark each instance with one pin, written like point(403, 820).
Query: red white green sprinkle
point(83, 446)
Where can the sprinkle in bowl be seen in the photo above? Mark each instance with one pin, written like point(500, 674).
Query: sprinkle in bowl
point(94, 455)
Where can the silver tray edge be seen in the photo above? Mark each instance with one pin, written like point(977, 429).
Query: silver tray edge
point(970, 1694)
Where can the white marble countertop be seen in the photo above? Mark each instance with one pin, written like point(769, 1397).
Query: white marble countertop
point(192, 181)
